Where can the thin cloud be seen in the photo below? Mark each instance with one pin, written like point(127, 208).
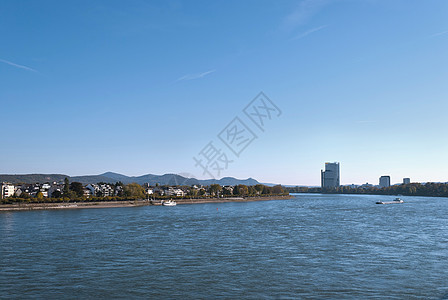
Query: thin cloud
point(439, 34)
point(303, 12)
point(195, 76)
point(18, 66)
point(306, 33)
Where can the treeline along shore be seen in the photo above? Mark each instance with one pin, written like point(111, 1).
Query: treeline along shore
point(76, 195)
point(429, 189)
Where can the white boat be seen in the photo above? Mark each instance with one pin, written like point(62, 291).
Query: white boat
point(169, 203)
point(397, 200)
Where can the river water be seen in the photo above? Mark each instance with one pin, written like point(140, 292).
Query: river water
point(310, 247)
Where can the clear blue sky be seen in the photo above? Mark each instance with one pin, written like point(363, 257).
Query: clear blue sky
point(141, 87)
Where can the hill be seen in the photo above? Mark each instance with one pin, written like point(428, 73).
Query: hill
point(31, 178)
point(110, 177)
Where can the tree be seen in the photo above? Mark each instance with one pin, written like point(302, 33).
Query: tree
point(40, 196)
point(242, 189)
point(252, 190)
point(77, 188)
point(134, 190)
point(267, 190)
point(66, 190)
point(56, 194)
point(236, 191)
point(259, 188)
point(215, 189)
point(193, 192)
point(227, 191)
point(25, 195)
point(277, 189)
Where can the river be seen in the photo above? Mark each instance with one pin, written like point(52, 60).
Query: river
point(312, 246)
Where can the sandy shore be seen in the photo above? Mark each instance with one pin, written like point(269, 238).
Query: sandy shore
point(132, 203)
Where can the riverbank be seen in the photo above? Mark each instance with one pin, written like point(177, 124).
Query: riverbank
point(373, 194)
point(131, 203)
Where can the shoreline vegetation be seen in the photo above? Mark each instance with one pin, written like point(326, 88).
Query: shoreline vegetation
point(76, 195)
point(132, 203)
point(429, 189)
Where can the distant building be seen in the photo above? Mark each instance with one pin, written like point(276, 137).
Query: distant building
point(384, 181)
point(7, 190)
point(366, 186)
point(18, 192)
point(46, 186)
point(119, 191)
point(174, 192)
point(92, 188)
point(330, 177)
point(229, 189)
point(102, 190)
point(86, 192)
point(406, 180)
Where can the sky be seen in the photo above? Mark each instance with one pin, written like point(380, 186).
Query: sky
point(138, 87)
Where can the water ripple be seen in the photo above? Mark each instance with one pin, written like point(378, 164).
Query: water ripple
point(313, 246)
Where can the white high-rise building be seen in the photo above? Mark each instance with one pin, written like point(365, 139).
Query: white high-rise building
point(330, 177)
point(384, 181)
point(7, 190)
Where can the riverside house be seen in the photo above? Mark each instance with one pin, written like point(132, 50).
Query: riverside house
point(7, 190)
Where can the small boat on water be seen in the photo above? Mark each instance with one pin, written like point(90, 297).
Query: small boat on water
point(169, 203)
point(397, 200)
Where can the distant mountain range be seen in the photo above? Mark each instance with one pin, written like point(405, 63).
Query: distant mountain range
point(110, 177)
